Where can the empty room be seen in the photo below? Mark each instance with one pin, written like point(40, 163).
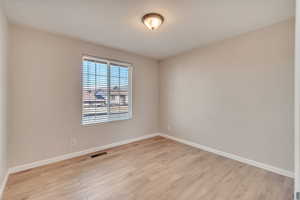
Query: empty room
point(149, 100)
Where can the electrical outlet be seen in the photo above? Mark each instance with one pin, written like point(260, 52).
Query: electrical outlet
point(73, 141)
point(169, 127)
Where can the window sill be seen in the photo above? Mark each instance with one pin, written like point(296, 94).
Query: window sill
point(107, 120)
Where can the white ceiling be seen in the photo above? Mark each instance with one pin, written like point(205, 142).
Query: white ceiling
point(117, 23)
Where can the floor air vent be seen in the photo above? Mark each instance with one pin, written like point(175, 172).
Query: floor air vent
point(98, 154)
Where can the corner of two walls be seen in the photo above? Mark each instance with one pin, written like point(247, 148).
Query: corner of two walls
point(235, 96)
point(3, 96)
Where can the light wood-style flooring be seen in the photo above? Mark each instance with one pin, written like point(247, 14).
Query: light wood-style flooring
point(152, 169)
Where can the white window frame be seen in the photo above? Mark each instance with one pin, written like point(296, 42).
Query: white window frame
point(130, 95)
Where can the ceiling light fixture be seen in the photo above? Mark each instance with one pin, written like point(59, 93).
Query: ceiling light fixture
point(153, 20)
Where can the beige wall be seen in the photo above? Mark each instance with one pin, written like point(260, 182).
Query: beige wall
point(46, 102)
point(3, 93)
point(235, 95)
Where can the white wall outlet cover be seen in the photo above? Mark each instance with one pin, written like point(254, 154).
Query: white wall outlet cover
point(169, 127)
point(73, 141)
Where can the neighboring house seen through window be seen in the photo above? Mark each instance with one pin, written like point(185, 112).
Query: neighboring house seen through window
point(106, 90)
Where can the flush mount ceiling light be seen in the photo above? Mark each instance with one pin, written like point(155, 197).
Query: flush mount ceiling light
point(153, 20)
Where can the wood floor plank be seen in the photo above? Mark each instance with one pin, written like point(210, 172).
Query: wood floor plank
point(152, 169)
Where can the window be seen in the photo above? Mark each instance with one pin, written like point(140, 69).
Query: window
point(106, 90)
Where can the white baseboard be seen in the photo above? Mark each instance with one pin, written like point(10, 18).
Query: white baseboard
point(233, 157)
point(193, 144)
point(76, 154)
point(3, 184)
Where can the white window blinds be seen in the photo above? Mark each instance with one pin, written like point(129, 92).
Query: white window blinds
point(106, 90)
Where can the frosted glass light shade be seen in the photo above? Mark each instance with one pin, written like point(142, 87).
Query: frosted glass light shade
point(153, 20)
